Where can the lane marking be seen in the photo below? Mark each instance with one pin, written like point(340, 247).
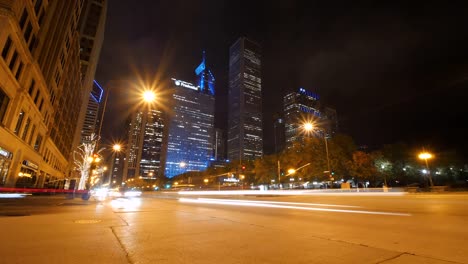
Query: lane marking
point(256, 204)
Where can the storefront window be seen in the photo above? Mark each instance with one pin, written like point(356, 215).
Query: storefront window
point(5, 161)
point(27, 176)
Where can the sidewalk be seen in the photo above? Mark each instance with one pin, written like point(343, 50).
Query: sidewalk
point(81, 233)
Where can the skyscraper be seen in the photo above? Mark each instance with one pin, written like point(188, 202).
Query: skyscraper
point(220, 144)
point(301, 106)
point(93, 110)
point(191, 128)
point(245, 133)
point(91, 30)
point(41, 93)
point(145, 145)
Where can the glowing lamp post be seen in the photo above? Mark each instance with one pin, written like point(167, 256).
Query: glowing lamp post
point(149, 96)
point(425, 156)
point(308, 128)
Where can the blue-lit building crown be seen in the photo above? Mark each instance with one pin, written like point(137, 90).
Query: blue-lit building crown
point(205, 78)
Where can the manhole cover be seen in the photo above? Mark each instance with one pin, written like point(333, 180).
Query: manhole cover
point(90, 221)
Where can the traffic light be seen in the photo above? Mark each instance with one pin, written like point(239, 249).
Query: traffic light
point(243, 167)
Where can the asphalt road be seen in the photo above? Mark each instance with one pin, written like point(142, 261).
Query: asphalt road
point(166, 228)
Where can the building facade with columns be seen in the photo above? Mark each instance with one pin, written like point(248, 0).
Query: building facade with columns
point(41, 94)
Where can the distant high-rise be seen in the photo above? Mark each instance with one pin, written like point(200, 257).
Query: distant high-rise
point(41, 93)
point(93, 110)
point(301, 106)
point(145, 145)
point(245, 133)
point(91, 29)
point(220, 144)
point(279, 134)
point(191, 128)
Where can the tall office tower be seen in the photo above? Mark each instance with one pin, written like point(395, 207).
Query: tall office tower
point(303, 106)
point(220, 144)
point(191, 128)
point(152, 149)
point(40, 90)
point(279, 134)
point(116, 170)
point(91, 30)
point(145, 152)
point(93, 111)
point(331, 117)
point(245, 134)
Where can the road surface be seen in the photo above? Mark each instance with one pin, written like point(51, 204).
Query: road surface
point(167, 228)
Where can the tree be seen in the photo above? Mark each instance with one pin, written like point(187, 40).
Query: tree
point(362, 166)
point(341, 149)
point(265, 169)
point(84, 157)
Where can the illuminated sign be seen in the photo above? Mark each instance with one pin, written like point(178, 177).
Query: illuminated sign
point(185, 84)
point(231, 180)
point(309, 93)
point(5, 153)
point(30, 164)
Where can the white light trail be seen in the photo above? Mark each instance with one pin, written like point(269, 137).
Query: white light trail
point(13, 195)
point(274, 202)
point(259, 204)
point(289, 192)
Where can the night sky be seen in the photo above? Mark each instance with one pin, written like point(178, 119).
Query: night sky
point(394, 72)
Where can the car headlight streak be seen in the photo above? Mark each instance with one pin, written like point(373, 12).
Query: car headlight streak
point(270, 205)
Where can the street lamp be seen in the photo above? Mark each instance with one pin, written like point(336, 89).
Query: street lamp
point(278, 121)
point(149, 96)
point(309, 127)
point(425, 156)
point(385, 176)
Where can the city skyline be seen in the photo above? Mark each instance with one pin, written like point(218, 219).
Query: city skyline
point(391, 77)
